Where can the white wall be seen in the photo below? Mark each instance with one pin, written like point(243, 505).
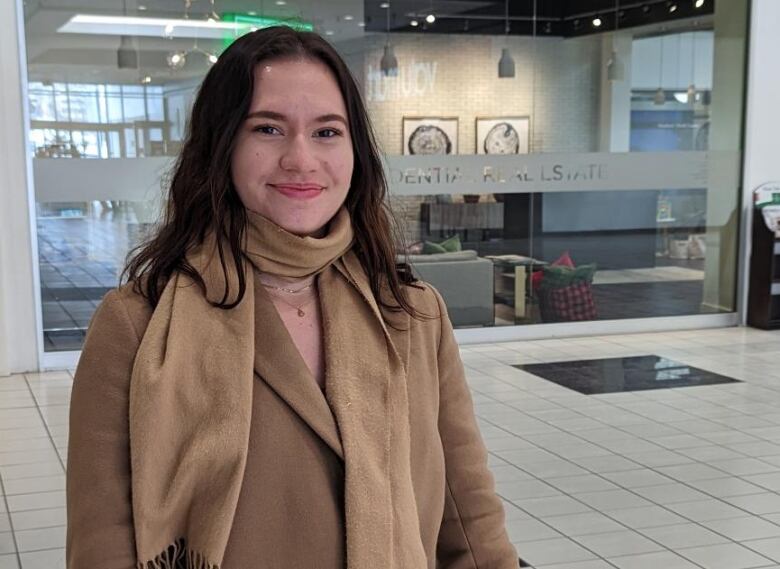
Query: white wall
point(762, 122)
point(18, 312)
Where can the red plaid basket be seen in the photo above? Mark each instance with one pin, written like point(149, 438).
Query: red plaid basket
point(568, 304)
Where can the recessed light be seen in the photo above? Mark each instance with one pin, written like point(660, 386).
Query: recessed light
point(414, 23)
point(349, 18)
point(430, 18)
point(384, 5)
point(596, 22)
point(141, 7)
point(699, 3)
point(252, 13)
point(362, 24)
point(280, 2)
point(328, 32)
point(146, 79)
point(672, 8)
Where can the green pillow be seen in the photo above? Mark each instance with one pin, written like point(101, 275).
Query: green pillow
point(430, 248)
point(452, 244)
point(560, 276)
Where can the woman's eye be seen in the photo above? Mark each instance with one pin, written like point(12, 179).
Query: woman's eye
point(265, 129)
point(328, 133)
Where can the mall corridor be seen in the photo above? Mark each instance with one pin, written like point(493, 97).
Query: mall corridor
point(677, 478)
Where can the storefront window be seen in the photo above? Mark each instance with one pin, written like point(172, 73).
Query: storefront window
point(559, 163)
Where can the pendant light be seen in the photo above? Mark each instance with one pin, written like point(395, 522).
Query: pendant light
point(692, 86)
point(126, 55)
point(660, 94)
point(506, 65)
point(389, 63)
point(615, 70)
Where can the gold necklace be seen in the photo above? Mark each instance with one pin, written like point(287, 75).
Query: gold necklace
point(299, 308)
point(290, 290)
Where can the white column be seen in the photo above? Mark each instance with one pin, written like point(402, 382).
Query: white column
point(615, 104)
point(723, 211)
point(762, 121)
point(19, 313)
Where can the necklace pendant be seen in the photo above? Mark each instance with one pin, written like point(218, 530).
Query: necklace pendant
point(301, 313)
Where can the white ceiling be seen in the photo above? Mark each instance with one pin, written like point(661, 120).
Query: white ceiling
point(54, 56)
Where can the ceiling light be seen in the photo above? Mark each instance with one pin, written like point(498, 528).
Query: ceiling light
point(176, 59)
point(252, 13)
point(430, 18)
point(506, 65)
point(389, 63)
point(414, 23)
point(146, 79)
point(681, 97)
point(126, 55)
point(672, 8)
point(362, 24)
point(141, 7)
point(160, 27)
point(596, 22)
point(646, 9)
point(280, 2)
point(698, 3)
point(349, 18)
point(328, 32)
point(212, 58)
point(384, 5)
point(576, 24)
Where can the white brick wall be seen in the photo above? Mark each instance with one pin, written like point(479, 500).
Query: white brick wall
point(561, 97)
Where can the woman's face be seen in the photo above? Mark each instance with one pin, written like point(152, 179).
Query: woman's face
point(293, 160)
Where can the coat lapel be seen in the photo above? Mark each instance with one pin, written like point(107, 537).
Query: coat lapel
point(279, 363)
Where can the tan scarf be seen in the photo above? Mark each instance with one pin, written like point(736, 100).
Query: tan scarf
point(191, 400)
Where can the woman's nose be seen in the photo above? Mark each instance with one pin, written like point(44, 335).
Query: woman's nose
point(298, 155)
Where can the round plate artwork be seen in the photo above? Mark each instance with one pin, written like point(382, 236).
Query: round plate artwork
point(429, 139)
point(502, 139)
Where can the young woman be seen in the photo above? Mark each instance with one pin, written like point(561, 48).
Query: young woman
point(269, 390)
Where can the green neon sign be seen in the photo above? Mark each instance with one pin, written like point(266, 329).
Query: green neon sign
point(246, 23)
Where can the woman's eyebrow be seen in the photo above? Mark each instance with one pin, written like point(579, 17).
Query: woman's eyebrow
point(281, 117)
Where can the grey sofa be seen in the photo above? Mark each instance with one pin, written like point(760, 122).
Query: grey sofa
point(464, 280)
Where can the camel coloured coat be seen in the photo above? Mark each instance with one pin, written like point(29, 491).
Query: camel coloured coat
point(290, 511)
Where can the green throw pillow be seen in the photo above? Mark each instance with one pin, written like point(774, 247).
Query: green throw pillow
point(452, 244)
point(430, 248)
point(560, 276)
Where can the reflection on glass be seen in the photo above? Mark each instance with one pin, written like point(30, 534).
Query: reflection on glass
point(523, 255)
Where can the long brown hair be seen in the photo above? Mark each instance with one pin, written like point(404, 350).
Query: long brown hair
point(201, 196)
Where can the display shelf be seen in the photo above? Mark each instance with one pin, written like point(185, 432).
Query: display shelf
point(764, 293)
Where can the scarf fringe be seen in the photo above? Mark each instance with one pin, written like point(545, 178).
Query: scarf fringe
point(175, 555)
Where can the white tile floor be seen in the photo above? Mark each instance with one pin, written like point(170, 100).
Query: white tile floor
point(678, 478)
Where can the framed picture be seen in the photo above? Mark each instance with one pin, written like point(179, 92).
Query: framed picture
point(503, 135)
point(430, 135)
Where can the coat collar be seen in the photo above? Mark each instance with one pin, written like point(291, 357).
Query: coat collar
point(284, 370)
point(279, 363)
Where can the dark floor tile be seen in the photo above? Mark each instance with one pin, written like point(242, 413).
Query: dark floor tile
point(615, 375)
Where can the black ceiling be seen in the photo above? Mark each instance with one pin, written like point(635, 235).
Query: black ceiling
point(564, 18)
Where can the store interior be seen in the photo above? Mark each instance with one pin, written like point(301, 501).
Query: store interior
point(110, 88)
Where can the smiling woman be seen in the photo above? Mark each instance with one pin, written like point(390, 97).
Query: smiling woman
point(294, 167)
point(250, 398)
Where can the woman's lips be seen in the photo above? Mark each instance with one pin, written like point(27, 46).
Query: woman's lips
point(298, 191)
